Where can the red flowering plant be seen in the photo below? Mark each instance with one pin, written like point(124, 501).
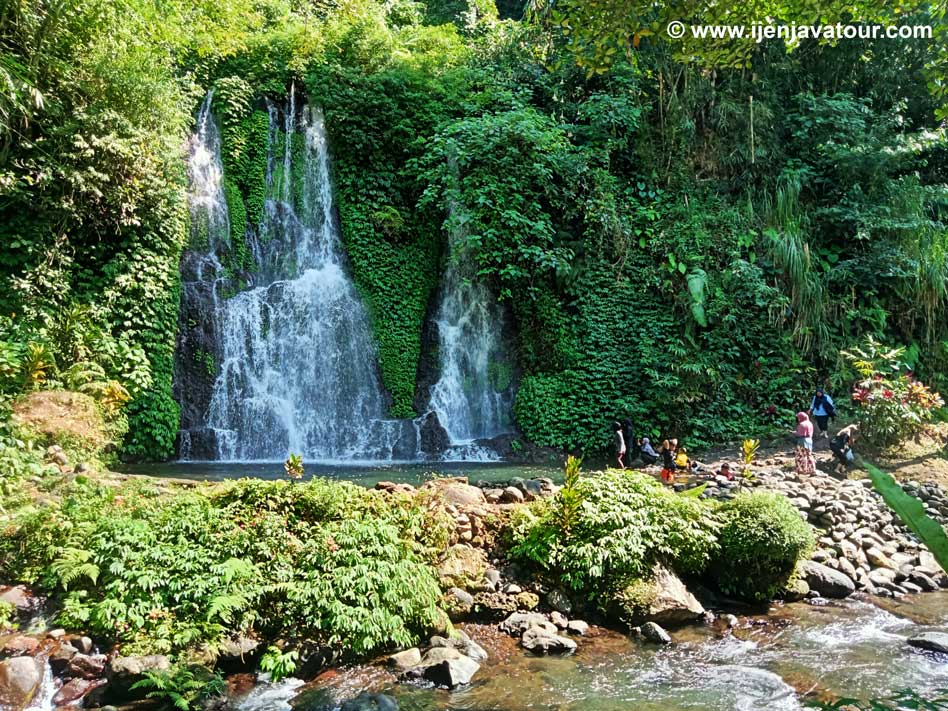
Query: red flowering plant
point(893, 405)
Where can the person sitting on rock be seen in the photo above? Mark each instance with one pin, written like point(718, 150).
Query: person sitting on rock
point(647, 451)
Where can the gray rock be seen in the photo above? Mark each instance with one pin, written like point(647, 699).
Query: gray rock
point(83, 644)
point(673, 603)
point(559, 619)
point(459, 602)
point(558, 600)
point(578, 628)
point(542, 641)
point(519, 622)
point(134, 666)
point(408, 659)
point(463, 494)
point(512, 495)
point(238, 647)
point(446, 666)
point(655, 633)
point(826, 581)
point(931, 641)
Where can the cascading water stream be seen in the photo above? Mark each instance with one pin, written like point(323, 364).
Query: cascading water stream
point(473, 396)
point(296, 368)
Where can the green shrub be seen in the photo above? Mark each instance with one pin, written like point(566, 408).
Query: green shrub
point(761, 540)
point(172, 572)
point(626, 522)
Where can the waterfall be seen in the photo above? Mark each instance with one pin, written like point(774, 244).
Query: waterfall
point(295, 363)
point(473, 395)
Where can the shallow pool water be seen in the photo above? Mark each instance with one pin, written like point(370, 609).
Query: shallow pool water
point(364, 473)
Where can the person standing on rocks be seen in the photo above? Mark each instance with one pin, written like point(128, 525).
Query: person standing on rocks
point(631, 443)
point(822, 409)
point(805, 463)
point(619, 443)
point(667, 453)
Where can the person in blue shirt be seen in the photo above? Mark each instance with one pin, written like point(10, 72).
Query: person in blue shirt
point(822, 409)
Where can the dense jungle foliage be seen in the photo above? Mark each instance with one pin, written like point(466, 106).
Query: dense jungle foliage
point(685, 235)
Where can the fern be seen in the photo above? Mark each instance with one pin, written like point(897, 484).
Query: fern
point(74, 563)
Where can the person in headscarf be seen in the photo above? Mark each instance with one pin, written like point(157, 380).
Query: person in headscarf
point(842, 447)
point(647, 452)
point(822, 408)
point(805, 463)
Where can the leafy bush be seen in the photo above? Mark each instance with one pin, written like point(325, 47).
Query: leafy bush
point(761, 540)
point(171, 572)
point(627, 522)
point(893, 404)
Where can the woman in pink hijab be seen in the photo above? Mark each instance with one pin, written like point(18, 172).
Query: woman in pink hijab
point(804, 456)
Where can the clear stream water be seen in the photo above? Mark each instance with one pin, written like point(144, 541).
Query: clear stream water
point(775, 662)
point(362, 473)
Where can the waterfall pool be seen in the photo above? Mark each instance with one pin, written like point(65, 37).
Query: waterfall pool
point(363, 473)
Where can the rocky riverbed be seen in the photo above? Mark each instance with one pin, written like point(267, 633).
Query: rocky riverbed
point(863, 553)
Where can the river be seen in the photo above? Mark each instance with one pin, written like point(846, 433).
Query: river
point(794, 655)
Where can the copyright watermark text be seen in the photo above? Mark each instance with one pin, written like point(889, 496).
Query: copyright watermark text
point(758, 32)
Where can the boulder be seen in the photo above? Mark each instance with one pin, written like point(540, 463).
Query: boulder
point(403, 661)
point(826, 581)
point(134, 666)
point(75, 690)
point(370, 702)
point(520, 622)
point(22, 598)
point(541, 641)
point(558, 600)
point(239, 647)
point(796, 589)
point(433, 437)
point(447, 667)
point(512, 495)
point(931, 641)
point(923, 581)
point(578, 628)
point(559, 619)
point(20, 645)
point(527, 600)
point(20, 679)
point(463, 566)
point(87, 666)
point(83, 644)
point(463, 495)
point(655, 633)
point(494, 604)
point(61, 656)
point(459, 602)
point(673, 603)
